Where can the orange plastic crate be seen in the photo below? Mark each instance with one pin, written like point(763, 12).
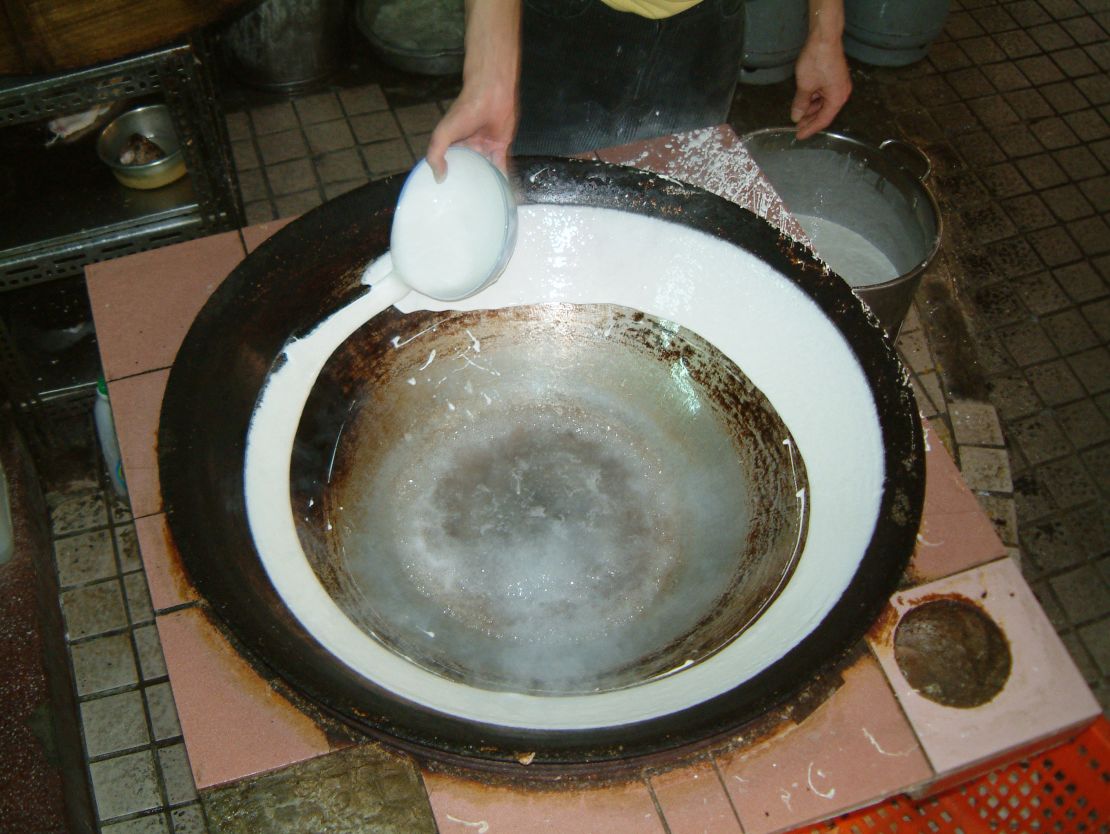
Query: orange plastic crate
point(1063, 791)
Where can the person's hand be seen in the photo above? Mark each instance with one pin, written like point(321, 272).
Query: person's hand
point(482, 120)
point(484, 116)
point(821, 71)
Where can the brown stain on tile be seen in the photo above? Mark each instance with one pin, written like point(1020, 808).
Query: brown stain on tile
point(169, 584)
point(952, 651)
point(882, 631)
point(175, 569)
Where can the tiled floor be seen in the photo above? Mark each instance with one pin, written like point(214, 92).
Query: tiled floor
point(293, 155)
point(1013, 106)
point(137, 761)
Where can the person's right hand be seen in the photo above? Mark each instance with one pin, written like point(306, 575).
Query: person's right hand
point(483, 120)
point(484, 116)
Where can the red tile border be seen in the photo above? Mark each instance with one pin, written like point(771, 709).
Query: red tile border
point(136, 408)
point(169, 585)
point(853, 750)
point(254, 236)
point(235, 725)
point(693, 800)
point(955, 533)
point(144, 304)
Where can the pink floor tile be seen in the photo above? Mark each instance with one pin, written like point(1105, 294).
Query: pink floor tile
point(693, 800)
point(464, 806)
point(714, 159)
point(853, 750)
point(136, 407)
point(234, 723)
point(955, 533)
point(169, 586)
point(253, 236)
point(143, 304)
point(1044, 695)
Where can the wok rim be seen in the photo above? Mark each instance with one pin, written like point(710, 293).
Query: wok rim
point(203, 498)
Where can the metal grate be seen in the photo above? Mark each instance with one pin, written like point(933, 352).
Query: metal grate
point(38, 97)
point(38, 263)
point(184, 76)
point(1064, 791)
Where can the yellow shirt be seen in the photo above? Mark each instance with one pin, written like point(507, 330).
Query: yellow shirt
point(654, 9)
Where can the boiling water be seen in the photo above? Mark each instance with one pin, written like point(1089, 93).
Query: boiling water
point(547, 528)
point(852, 256)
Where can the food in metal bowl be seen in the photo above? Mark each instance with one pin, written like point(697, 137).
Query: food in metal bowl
point(142, 149)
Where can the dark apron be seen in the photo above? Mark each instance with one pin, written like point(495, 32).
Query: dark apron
point(592, 77)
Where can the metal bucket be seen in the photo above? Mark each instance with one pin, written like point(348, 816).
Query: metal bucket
point(288, 45)
point(866, 209)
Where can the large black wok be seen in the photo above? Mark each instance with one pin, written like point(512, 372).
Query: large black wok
point(671, 582)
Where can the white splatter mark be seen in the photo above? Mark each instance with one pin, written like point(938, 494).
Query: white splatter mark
point(785, 795)
point(481, 825)
point(431, 359)
point(829, 794)
point(876, 745)
point(396, 340)
point(470, 363)
point(474, 343)
point(411, 380)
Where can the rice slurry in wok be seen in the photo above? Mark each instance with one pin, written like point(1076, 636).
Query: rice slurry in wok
point(622, 500)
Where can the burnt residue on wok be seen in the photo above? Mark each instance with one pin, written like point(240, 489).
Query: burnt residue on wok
point(311, 268)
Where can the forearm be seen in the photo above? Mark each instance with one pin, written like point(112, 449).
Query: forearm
point(826, 21)
point(821, 72)
point(484, 115)
point(492, 61)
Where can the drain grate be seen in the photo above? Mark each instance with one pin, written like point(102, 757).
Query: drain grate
point(1063, 791)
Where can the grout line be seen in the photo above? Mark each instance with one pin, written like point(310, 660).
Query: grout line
point(724, 787)
point(655, 803)
point(252, 136)
point(309, 156)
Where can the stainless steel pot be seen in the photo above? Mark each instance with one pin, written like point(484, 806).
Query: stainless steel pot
point(866, 208)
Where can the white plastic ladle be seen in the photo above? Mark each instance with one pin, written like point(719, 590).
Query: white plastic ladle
point(449, 239)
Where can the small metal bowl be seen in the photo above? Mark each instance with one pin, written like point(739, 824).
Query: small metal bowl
point(154, 122)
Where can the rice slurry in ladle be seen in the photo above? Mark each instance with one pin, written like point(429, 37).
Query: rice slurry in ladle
point(453, 238)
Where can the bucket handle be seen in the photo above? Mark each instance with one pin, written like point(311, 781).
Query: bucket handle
point(908, 156)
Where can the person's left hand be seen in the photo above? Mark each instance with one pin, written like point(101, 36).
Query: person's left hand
point(824, 84)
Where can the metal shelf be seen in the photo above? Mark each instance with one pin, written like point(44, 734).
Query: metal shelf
point(76, 213)
point(69, 211)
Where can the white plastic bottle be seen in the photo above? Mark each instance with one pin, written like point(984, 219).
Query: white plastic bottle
point(106, 433)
